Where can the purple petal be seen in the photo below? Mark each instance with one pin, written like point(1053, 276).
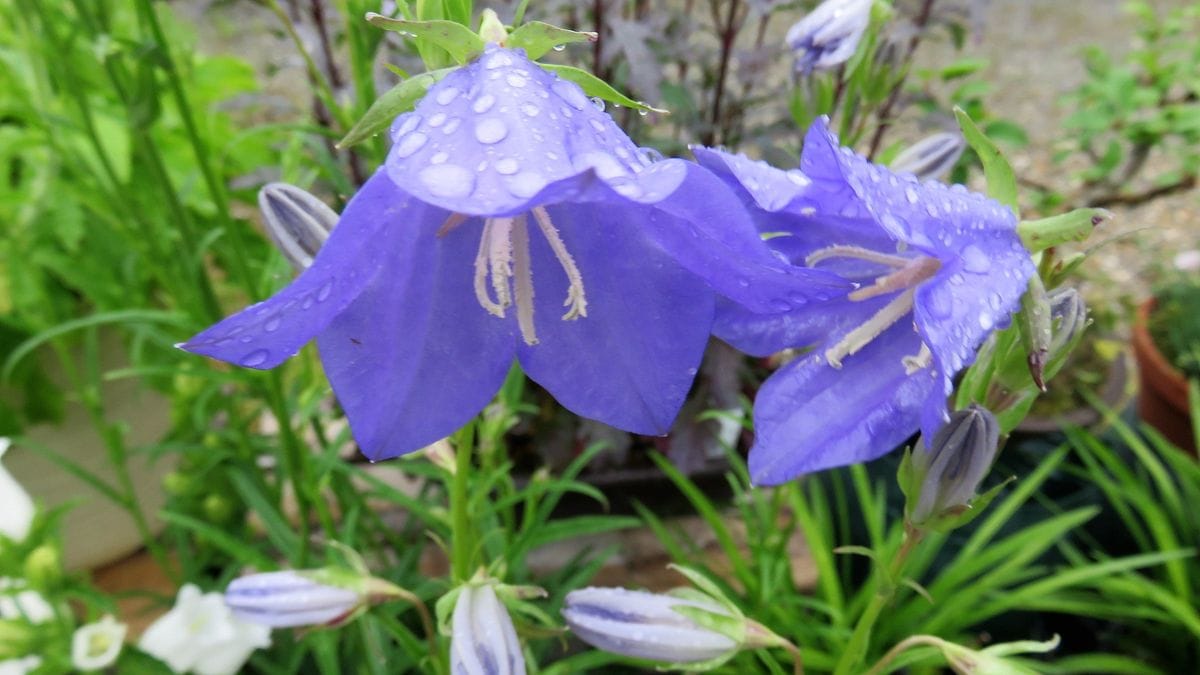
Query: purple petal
point(809, 416)
point(764, 334)
point(630, 362)
point(265, 334)
point(415, 357)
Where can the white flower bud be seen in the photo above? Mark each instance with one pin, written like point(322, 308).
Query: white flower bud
point(932, 157)
point(827, 36)
point(297, 221)
point(288, 599)
point(483, 640)
point(97, 645)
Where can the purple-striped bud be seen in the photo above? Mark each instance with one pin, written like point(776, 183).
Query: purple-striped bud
point(288, 599)
point(297, 222)
point(950, 470)
point(646, 625)
point(483, 640)
point(932, 157)
point(827, 36)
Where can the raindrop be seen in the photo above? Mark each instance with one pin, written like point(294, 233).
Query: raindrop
point(630, 190)
point(743, 282)
point(596, 125)
point(410, 123)
point(483, 103)
point(910, 194)
point(995, 301)
point(272, 325)
point(598, 103)
point(975, 260)
point(649, 155)
point(516, 80)
point(526, 184)
point(798, 177)
point(559, 48)
point(779, 305)
point(255, 358)
point(323, 293)
point(498, 60)
point(307, 303)
point(985, 321)
point(445, 96)
point(437, 119)
point(530, 109)
point(642, 112)
point(941, 304)
point(447, 180)
point(410, 144)
point(571, 94)
point(451, 126)
point(797, 299)
point(507, 166)
point(439, 158)
point(490, 130)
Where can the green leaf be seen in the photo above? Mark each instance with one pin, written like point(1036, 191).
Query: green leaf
point(400, 98)
point(1001, 181)
point(1041, 234)
point(594, 86)
point(537, 38)
point(459, 41)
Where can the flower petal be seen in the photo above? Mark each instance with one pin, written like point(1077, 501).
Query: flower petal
point(415, 356)
point(809, 416)
point(630, 362)
point(267, 333)
point(760, 334)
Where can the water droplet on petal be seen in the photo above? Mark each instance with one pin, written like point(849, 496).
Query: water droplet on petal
point(798, 177)
point(307, 302)
point(410, 144)
point(271, 325)
point(445, 96)
point(507, 166)
point(490, 130)
point(975, 260)
point(526, 184)
point(559, 48)
point(985, 321)
point(451, 126)
point(483, 103)
point(630, 190)
point(910, 194)
point(323, 293)
point(447, 180)
point(516, 80)
point(530, 109)
point(940, 303)
point(439, 158)
point(498, 60)
point(598, 103)
point(437, 119)
point(255, 358)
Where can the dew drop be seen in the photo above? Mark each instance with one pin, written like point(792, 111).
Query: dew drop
point(447, 180)
point(975, 260)
point(910, 194)
point(272, 325)
point(255, 358)
point(516, 80)
point(526, 184)
point(437, 119)
point(507, 166)
point(596, 125)
point(559, 48)
point(530, 109)
point(451, 126)
point(798, 177)
point(571, 93)
point(323, 293)
point(445, 96)
point(483, 103)
point(985, 321)
point(439, 158)
point(490, 130)
point(307, 302)
point(779, 305)
point(630, 190)
point(410, 144)
point(498, 60)
point(598, 103)
point(941, 303)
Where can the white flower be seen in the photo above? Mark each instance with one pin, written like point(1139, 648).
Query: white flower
point(16, 508)
point(932, 157)
point(97, 645)
point(201, 635)
point(16, 603)
point(20, 666)
point(483, 640)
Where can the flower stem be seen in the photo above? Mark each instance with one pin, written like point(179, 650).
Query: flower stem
point(856, 649)
point(903, 646)
point(462, 539)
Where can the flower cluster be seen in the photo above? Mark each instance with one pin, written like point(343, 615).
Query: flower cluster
point(513, 220)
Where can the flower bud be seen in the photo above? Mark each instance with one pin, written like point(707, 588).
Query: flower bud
point(97, 645)
point(297, 222)
point(288, 599)
point(1068, 315)
point(483, 640)
point(932, 157)
point(646, 625)
point(43, 566)
point(16, 638)
point(827, 36)
point(949, 470)
point(16, 508)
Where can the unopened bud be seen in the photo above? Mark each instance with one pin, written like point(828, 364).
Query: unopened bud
point(483, 640)
point(827, 36)
point(932, 157)
point(949, 470)
point(43, 566)
point(290, 598)
point(1068, 314)
point(297, 222)
point(648, 625)
point(16, 507)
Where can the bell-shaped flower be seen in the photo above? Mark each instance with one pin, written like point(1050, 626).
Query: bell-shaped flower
point(513, 219)
point(16, 508)
point(201, 635)
point(288, 599)
point(932, 157)
point(97, 645)
point(937, 268)
point(827, 36)
point(647, 625)
point(483, 640)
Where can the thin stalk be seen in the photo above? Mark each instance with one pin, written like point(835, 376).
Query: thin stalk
point(294, 462)
point(903, 646)
point(728, 35)
point(462, 538)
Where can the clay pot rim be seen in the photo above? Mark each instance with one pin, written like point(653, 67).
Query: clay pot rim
point(1152, 361)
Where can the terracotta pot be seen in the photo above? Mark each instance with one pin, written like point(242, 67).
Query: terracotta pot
point(1163, 399)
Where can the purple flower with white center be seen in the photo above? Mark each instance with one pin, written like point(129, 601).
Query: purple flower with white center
point(937, 269)
point(483, 640)
point(514, 219)
point(645, 625)
point(827, 36)
point(288, 599)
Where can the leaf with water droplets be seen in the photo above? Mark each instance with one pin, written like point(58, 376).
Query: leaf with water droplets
point(459, 41)
point(537, 38)
point(1001, 181)
point(594, 86)
point(398, 99)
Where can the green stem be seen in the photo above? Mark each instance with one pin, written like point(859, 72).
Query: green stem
point(463, 540)
point(856, 648)
point(903, 646)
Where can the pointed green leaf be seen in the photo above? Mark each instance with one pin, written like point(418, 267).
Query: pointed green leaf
point(594, 86)
point(398, 99)
point(537, 38)
point(1041, 234)
point(707, 586)
point(459, 41)
point(1001, 181)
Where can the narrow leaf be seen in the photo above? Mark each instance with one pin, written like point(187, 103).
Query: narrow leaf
point(400, 98)
point(458, 40)
point(1001, 181)
point(1077, 225)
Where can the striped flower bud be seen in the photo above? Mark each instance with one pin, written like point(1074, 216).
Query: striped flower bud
point(932, 157)
point(297, 222)
point(647, 625)
point(289, 598)
point(827, 36)
point(483, 640)
point(949, 471)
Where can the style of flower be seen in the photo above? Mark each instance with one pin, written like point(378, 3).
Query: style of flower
point(16, 508)
point(201, 635)
point(937, 269)
point(827, 36)
point(483, 640)
point(97, 645)
point(514, 219)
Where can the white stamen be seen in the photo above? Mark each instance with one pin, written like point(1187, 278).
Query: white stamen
point(914, 272)
point(500, 258)
point(576, 301)
point(481, 273)
point(859, 253)
point(523, 280)
point(860, 337)
point(914, 363)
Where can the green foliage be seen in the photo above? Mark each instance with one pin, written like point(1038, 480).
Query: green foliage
point(1175, 323)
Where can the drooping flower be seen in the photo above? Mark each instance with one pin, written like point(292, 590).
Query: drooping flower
point(483, 640)
point(507, 198)
point(16, 508)
point(827, 36)
point(938, 269)
point(97, 645)
point(201, 635)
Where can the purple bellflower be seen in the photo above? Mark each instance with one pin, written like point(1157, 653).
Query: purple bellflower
point(827, 36)
point(937, 269)
point(514, 219)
